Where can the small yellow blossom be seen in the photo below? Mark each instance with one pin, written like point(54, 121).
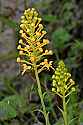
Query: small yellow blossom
point(21, 31)
point(22, 17)
point(25, 68)
point(38, 33)
point(27, 46)
point(38, 43)
point(46, 51)
point(50, 52)
point(21, 52)
point(33, 58)
point(45, 41)
point(40, 49)
point(20, 41)
point(19, 47)
point(18, 60)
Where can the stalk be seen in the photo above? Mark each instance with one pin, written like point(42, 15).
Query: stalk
point(65, 112)
point(41, 95)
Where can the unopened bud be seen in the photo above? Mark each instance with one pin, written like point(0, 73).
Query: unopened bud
point(18, 60)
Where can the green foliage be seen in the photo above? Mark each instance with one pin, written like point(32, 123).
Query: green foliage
point(48, 102)
point(60, 38)
point(11, 106)
point(49, 18)
point(6, 111)
point(75, 54)
point(76, 49)
point(67, 15)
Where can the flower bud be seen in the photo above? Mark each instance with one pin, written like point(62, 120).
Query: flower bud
point(18, 59)
point(21, 52)
point(19, 47)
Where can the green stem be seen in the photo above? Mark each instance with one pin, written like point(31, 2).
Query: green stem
point(41, 95)
point(65, 111)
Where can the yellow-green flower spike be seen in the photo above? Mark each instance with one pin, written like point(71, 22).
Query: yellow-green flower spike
point(32, 42)
point(62, 83)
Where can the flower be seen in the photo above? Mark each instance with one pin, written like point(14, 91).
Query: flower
point(18, 60)
point(62, 82)
point(31, 46)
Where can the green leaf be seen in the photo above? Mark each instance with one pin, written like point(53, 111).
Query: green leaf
point(49, 18)
point(17, 102)
point(6, 111)
point(60, 38)
point(11, 106)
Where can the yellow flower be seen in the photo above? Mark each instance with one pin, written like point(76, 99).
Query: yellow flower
point(21, 52)
point(46, 41)
point(19, 47)
point(18, 60)
point(31, 45)
point(38, 33)
point(40, 49)
point(33, 59)
point(21, 31)
point(25, 68)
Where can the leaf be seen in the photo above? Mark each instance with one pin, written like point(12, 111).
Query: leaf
point(11, 106)
point(60, 38)
point(17, 102)
point(50, 18)
point(6, 111)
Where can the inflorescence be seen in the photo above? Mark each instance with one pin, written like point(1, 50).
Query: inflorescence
point(31, 45)
point(62, 83)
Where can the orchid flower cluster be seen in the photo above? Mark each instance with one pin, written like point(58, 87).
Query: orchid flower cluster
point(63, 85)
point(32, 44)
